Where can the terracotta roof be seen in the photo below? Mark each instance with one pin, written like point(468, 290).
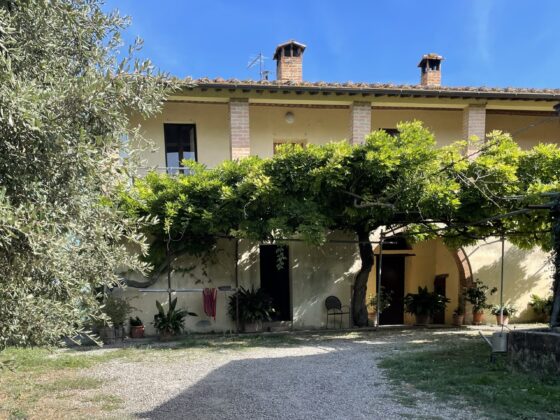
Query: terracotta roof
point(377, 89)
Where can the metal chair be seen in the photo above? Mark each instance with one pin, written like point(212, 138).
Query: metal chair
point(334, 309)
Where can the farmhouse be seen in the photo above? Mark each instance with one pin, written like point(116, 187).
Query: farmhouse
point(214, 120)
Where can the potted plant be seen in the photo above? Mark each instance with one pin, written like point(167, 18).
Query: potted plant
point(542, 307)
point(385, 300)
point(255, 306)
point(423, 304)
point(458, 316)
point(170, 323)
point(508, 311)
point(136, 328)
point(477, 295)
point(116, 312)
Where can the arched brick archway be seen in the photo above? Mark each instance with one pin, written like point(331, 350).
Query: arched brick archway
point(465, 272)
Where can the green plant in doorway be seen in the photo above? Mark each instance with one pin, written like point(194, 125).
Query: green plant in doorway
point(424, 304)
point(255, 306)
point(385, 299)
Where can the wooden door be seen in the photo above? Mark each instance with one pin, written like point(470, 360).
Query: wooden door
point(275, 279)
point(392, 280)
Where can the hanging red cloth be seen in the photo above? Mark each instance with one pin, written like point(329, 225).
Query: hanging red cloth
point(209, 297)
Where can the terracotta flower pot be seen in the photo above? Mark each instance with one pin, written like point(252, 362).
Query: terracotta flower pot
point(506, 320)
point(477, 318)
point(422, 319)
point(372, 317)
point(137, 331)
point(458, 320)
point(252, 327)
point(165, 336)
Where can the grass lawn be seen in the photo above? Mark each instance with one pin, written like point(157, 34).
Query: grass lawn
point(460, 371)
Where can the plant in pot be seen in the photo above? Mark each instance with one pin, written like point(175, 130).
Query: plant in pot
point(508, 311)
point(458, 316)
point(423, 304)
point(116, 311)
point(477, 295)
point(255, 306)
point(385, 300)
point(542, 307)
point(136, 328)
point(169, 324)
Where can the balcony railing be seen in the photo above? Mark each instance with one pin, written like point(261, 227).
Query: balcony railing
point(170, 170)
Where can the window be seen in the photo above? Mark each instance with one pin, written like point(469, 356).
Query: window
point(277, 144)
point(180, 144)
point(391, 131)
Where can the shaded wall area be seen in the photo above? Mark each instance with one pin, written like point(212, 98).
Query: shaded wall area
point(526, 272)
point(425, 261)
point(315, 274)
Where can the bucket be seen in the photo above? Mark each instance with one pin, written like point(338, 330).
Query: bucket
point(499, 342)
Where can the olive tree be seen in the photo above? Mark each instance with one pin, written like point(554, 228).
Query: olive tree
point(66, 94)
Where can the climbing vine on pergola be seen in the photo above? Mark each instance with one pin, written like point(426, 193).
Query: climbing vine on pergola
point(402, 182)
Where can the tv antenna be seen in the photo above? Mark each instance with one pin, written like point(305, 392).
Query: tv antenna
point(259, 59)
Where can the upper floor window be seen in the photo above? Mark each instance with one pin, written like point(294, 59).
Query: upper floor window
point(278, 143)
point(391, 131)
point(180, 144)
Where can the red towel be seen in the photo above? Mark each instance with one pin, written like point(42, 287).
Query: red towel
point(209, 297)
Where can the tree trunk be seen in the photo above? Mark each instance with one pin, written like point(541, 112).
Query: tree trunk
point(555, 316)
point(359, 307)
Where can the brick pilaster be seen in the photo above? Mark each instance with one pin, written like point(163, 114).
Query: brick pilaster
point(474, 125)
point(240, 141)
point(360, 121)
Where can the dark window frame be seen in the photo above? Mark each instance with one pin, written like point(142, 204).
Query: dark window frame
point(179, 144)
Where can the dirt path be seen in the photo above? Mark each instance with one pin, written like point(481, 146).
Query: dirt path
point(320, 377)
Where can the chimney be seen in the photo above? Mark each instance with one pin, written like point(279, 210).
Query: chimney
point(289, 59)
point(430, 68)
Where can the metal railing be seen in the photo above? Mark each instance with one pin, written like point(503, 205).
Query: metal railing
point(170, 170)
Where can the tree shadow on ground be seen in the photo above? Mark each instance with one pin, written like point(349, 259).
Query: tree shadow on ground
point(336, 378)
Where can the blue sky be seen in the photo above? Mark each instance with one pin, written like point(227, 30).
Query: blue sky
point(484, 42)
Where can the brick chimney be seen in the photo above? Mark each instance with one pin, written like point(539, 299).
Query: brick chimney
point(289, 61)
point(430, 70)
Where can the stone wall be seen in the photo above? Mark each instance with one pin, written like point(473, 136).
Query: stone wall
point(535, 351)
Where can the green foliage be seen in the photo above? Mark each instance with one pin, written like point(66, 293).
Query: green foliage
point(117, 310)
point(477, 295)
point(254, 305)
point(403, 182)
point(458, 311)
point(66, 95)
point(541, 306)
point(135, 322)
point(170, 322)
point(509, 310)
point(424, 302)
point(385, 299)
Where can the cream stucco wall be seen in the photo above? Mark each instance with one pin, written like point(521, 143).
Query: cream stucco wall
point(447, 125)
point(525, 273)
point(520, 127)
point(310, 126)
point(315, 273)
point(212, 131)
point(317, 126)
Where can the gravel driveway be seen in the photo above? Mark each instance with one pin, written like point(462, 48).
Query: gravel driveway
point(317, 378)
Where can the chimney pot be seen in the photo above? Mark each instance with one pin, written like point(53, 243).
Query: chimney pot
point(430, 69)
point(289, 61)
